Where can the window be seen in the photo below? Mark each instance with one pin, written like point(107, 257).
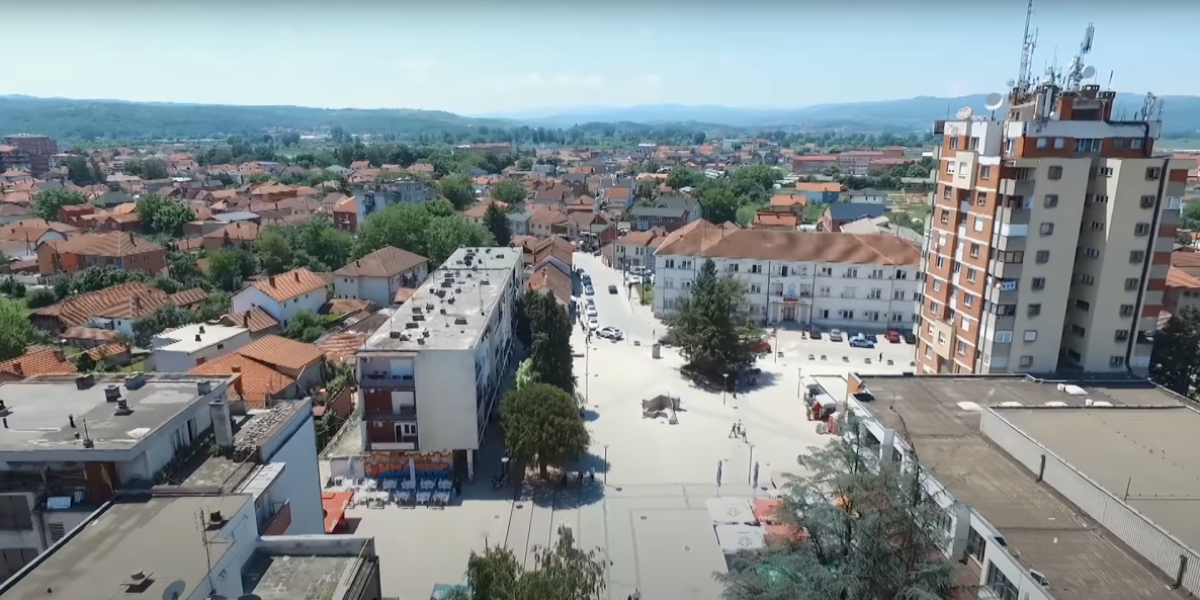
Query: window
point(941, 339)
point(1031, 335)
point(1078, 331)
point(950, 168)
point(1091, 253)
point(670, 264)
point(1098, 225)
point(1012, 257)
point(1034, 310)
point(1126, 310)
point(1043, 143)
point(1116, 361)
point(1083, 305)
point(968, 299)
point(1141, 229)
point(1043, 256)
point(1039, 283)
point(940, 261)
point(937, 285)
point(1060, 143)
point(946, 193)
point(875, 294)
point(1051, 200)
point(974, 250)
point(971, 274)
point(827, 271)
point(954, 143)
point(824, 291)
point(901, 274)
point(1087, 279)
point(978, 224)
point(848, 292)
point(1131, 284)
point(732, 268)
point(847, 315)
point(1054, 172)
point(962, 348)
point(406, 429)
point(851, 273)
point(985, 172)
point(756, 268)
point(1147, 202)
point(1120, 336)
point(1025, 361)
point(755, 288)
point(944, 216)
point(1106, 172)
point(875, 274)
point(898, 295)
point(1118, 143)
point(1135, 144)
point(1047, 228)
point(1087, 145)
point(1152, 173)
point(1137, 256)
point(1004, 337)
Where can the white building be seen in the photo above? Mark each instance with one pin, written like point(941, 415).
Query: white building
point(283, 295)
point(430, 376)
point(376, 197)
point(76, 442)
point(195, 547)
point(379, 275)
point(833, 280)
point(868, 196)
point(180, 350)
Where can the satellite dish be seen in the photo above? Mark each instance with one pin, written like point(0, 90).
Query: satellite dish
point(1011, 83)
point(993, 101)
point(964, 113)
point(175, 590)
point(1089, 72)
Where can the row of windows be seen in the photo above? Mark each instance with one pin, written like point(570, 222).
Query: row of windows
point(791, 271)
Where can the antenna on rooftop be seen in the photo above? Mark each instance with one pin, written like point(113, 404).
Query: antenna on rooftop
point(1077, 72)
point(1028, 44)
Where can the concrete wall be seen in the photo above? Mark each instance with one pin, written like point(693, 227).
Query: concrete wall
point(242, 534)
point(446, 409)
point(169, 361)
point(300, 482)
point(1147, 539)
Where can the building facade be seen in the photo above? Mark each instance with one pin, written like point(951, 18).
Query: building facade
point(376, 197)
point(1050, 238)
point(38, 150)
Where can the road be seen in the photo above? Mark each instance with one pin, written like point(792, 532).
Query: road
point(618, 310)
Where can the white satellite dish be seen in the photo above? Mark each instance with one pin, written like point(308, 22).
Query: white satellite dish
point(993, 101)
point(175, 590)
point(964, 113)
point(1089, 72)
point(1010, 83)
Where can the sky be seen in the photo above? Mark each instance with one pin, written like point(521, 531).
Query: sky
point(516, 56)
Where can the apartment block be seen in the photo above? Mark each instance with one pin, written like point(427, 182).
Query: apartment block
point(430, 376)
point(1050, 238)
point(38, 149)
point(842, 280)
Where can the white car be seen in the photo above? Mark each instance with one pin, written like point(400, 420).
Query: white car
point(612, 333)
point(593, 324)
point(591, 311)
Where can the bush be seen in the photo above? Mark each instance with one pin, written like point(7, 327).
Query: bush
point(40, 297)
point(18, 290)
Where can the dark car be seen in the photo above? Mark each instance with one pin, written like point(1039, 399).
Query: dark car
point(909, 338)
point(814, 334)
point(612, 289)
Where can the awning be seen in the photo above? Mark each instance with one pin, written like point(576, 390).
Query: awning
point(334, 504)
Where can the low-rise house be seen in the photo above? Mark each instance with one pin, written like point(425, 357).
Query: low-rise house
point(26, 235)
point(550, 279)
point(873, 225)
point(643, 218)
point(546, 222)
point(820, 192)
point(256, 320)
point(36, 361)
point(813, 164)
point(234, 234)
point(302, 362)
point(283, 295)
point(636, 249)
point(182, 349)
point(378, 276)
point(114, 249)
point(775, 221)
point(841, 213)
point(115, 353)
point(868, 196)
point(519, 223)
point(114, 308)
point(345, 215)
point(793, 203)
point(87, 337)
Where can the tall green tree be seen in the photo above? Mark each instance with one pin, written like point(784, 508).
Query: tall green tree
point(496, 221)
point(47, 202)
point(275, 254)
point(80, 172)
point(162, 216)
point(867, 531)
point(712, 330)
point(15, 331)
point(560, 572)
point(761, 176)
point(542, 425)
point(550, 327)
point(305, 326)
point(681, 177)
point(229, 267)
point(431, 230)
point(458, 190)
point(1175, 360)
point(508, 192)
point(719, 205)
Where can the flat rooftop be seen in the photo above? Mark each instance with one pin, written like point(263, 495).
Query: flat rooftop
point(226, 473)
point(450, 310)
point(1144, 455)
point(196, 336)
point(939, 415)
point(39, 411)
point(160, 537)
point(291, 577)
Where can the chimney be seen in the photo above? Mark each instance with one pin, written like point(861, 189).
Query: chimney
point(123, 407)
point(17, 368)
point(297, 274)
point(201, 329)
point(271, 281)
point(112, 393)
point(246, 319)
point(237, 383)
point(222, 422)
point(197, 337)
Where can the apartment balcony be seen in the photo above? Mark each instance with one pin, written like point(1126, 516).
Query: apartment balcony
point(403, 414)
point(1013, 216)
point(380, 381)
point(1004, 270)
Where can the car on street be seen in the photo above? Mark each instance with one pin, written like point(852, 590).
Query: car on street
point(612, 333)
point(835, 335)
point(893, 336)
point(870, 337)
point(593, 324)
point(814, 334)
point(589, 290)
point(612, 289)
point(859, 341)
point(909, 338)
point(591, 311)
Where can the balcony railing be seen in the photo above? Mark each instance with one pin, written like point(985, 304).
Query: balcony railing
point(389, 382)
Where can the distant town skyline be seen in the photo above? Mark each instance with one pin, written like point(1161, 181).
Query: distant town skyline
point(473, 58)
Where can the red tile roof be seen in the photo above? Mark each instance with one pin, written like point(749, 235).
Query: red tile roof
point(92, 334)
point(280, 351)
point(291, 284)
point(255, 319)
point(128, 300)
point(341, 347)
point(107, 350)
point(43, 361)
point(384, 262)
point(242, 231)
point(112, 244)
point(260, 382)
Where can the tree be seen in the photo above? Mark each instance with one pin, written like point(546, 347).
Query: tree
point(305, 326)
point(80, 172)
point(719, 205)
point(431, 230)
point(561, 572)
point(162, 216)
point(524, 164)
point(40, 297)
point(508, 192)
point(458, 189)
point(84, 363)
point(496, 221)
point(542, 424)
point(1191, 215)
point(681, 177)
point(229, 267)
point(47, 202)
point(92, 279)
point(711, 330)
point(151, 168)
point(867, 530)
point(698, 138)
point(273, 251)
point(165, 316)
point(15, 331)
point(761, 176)
point(1175, 360)
point(259, 178)
point(550, 327)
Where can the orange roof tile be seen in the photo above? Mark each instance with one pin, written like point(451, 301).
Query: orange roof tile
point(255, 319)
point(347, 306)
point(819, 187)
point(1179, 279)
point(128, 300)
point(550, 278)
point(43, 361)
point(260, 382)
point(341, 347)
point(286, 286)
point(280, 351)
point(111, 244)
point(242, 231)
point(107, 350)
point(384, 262)
point(770, 219)
point(788, 200)
point(403, 295)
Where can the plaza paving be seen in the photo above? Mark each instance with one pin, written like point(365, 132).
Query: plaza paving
point(646, 510)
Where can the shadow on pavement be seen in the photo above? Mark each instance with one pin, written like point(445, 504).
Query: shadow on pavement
point(574, 495)
point(586, 463)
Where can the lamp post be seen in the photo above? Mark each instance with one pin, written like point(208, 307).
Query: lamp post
point(750, 465)
point(587, 371)
point(606, 464)
point(725, 389)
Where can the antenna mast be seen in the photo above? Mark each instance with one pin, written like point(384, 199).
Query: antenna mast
point(1075, 75)
point(1028, 43)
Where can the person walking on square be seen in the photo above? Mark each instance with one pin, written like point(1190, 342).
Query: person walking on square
point(733, 431)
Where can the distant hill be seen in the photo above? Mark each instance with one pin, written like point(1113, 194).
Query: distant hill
point(90, 119)
point(1181, 117)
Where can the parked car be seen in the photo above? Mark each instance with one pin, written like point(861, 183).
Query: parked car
point(893, 336)
point(859, 341)
point(591, 311)
point(593, 324)
point(835, 335)
point(589, 290)
point(870, 337)
point(612, 333)
point(815, 334)
point(909, 338)
point(612, 289)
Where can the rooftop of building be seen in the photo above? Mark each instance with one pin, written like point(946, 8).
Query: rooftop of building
point(40, 411)
point(451, 309)
point(197, 336)
point(289, 577)
point(225, 473)
point(939, 417)
point(158, 537)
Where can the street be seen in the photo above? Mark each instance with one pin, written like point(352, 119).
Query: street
point(618, 310)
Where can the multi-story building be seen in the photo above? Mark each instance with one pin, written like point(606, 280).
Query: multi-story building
point(842, 280)
point(1050, 238)
point(13, 158)
point(429, 377)
point(376, 197)
point(857, 162)
point(813, 164)
point(39, 150)
point(379, 275)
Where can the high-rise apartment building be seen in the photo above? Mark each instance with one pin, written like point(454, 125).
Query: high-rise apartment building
point(1050, 237)
point(38, 148)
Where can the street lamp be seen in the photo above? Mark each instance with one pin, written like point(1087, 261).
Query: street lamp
point(750, 465)
point(606, 464)
point(725, 389)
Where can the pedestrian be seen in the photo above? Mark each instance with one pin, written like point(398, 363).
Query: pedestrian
point(733, 431)
point(880, 357)
point(637, 595)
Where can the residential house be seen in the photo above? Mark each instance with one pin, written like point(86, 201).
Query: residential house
point(551, 193)
point(792, 203)
point(636, 249)
point(234, 234)
point(775, 221)
point(644, 218)
point(181, 349)
point(283, 295)
point(874, 225)
point(122, 250)
point(378, 276)
point(550, 279)
point(840, 213)
point(476, 212)
point(546, 222)
point(114, 308)
point(820, 192)
point(262, 384)
point(113, 199)
point(87, 337)
point(256, 320)
point(345, 215)
point(22, 238)
point(375, 197)
point(520, 223)
point(34, 362)
point(868, 196)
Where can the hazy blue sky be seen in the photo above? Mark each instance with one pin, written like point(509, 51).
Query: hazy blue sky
point(478, 57)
